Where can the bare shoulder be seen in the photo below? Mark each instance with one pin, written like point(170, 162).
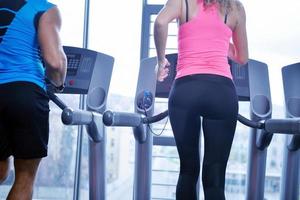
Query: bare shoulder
point(51, 17)
point(174, 5)
point(52, 12)
point(238, 12)
point(237, 3)
point(238, 8)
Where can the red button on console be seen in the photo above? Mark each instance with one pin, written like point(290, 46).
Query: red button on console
point(71, 82)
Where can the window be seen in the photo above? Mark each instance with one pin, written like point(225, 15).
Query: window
point(115, 30)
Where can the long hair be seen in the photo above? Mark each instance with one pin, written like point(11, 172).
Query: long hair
point(225, 4)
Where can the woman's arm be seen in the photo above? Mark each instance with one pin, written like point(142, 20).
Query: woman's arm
point(239, 52)
point(169, 12)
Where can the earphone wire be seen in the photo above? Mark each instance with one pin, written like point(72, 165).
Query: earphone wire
point(151, 130)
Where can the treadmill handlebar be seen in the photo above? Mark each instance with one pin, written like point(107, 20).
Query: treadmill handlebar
point(56, 100)
point(284, 126)
point(288, 126)
point(70, 116)
point(130, 119)
point(155, 118)
point(111, 118)
point(76, 117)
point(121, 119)
point(250, 123)
point(81, 117)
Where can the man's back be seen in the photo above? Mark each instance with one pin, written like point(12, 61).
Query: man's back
point(19, 48)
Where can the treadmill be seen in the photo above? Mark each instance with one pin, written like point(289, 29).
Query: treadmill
point(88, 73)
point(252, 85)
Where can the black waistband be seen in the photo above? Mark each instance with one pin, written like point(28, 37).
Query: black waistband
point(205, 77)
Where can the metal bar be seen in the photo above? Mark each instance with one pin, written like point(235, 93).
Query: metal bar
point(144, 52)
point(291, 159)
point(143, 165)
point(283, 126)
point(78, 154)
point(260, 109)
point(122, 119)
point(86, 24)
point(164, 141)
point(290, 173)
point(81, 106)
point(56, 100)
point(164, 184)
point(97, 169)
point(169, 171)
point(76, 117)
point(172, 157)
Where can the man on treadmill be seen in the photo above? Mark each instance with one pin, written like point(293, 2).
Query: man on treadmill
point(29, 31)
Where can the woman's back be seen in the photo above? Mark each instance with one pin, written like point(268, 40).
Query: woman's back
point(230, 8)
point(203, 41)
point(186, 15)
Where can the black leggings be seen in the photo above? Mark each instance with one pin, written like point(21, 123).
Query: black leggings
point(214, 98)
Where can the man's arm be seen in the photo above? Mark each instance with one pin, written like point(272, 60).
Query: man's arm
point(51, 47)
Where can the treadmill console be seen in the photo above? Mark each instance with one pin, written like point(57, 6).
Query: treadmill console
point(240, 77)
point(81, 63)
point(163, 88)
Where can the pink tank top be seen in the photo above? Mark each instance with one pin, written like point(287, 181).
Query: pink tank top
point(203, 44)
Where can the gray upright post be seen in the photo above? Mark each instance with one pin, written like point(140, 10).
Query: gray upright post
point(144, 139)
point(81, 105)
point(260, 108)
point(96, 101)
point(290, 170)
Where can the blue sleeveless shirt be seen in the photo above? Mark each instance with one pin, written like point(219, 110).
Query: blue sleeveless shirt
point(20, 58)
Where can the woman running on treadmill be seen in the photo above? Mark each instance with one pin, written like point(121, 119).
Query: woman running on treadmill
point(203, 87)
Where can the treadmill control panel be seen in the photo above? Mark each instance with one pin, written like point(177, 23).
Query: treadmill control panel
point(73, 63)
point(240, 77)
point(163, 88)
point(81, 63)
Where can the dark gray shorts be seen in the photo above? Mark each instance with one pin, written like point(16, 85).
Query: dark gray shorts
point(24, 121)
